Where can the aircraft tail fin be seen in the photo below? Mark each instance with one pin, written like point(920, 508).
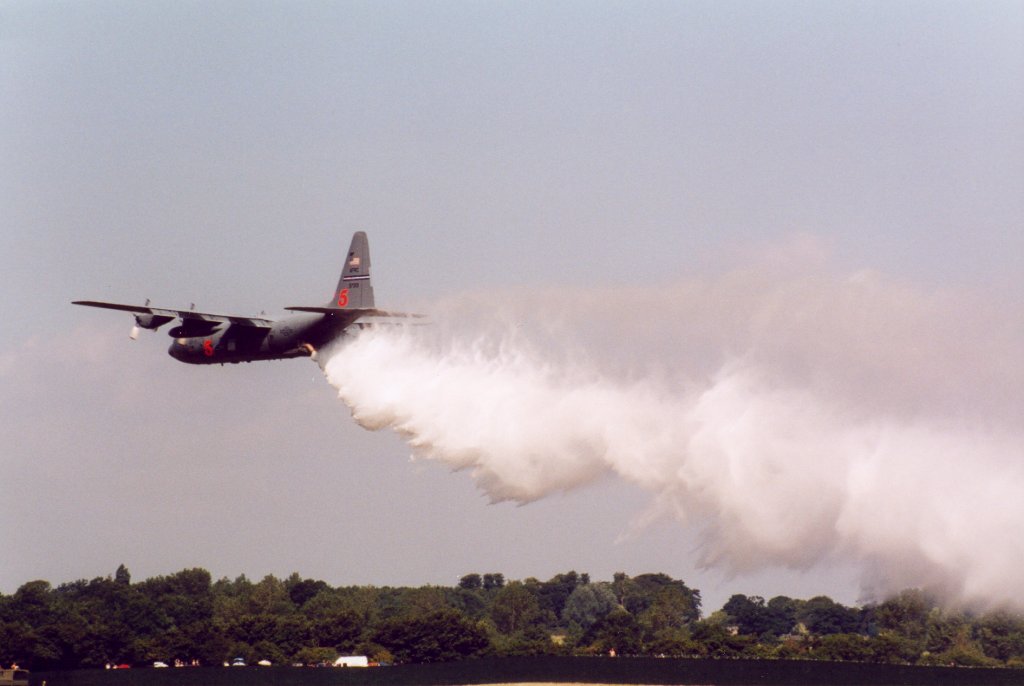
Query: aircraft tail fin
point(355, 290)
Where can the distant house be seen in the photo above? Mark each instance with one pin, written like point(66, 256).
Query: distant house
point(352, 661)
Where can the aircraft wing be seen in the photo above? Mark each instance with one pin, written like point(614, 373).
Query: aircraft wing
point(180, 314)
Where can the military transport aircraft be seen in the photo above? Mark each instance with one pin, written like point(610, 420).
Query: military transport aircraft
point(204, 338)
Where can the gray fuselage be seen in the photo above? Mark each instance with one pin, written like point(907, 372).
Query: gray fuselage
point(297, 336)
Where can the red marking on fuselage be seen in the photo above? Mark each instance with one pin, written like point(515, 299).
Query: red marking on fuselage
point(208, 347)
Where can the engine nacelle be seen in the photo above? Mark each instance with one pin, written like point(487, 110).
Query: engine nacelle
point(151, 321)
point(193, 328)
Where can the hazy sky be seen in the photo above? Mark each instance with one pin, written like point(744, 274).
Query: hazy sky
point(223, 153)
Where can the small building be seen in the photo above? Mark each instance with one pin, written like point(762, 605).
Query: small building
point(352, 661)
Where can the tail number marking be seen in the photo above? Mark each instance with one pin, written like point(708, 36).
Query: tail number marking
point(208, 347)
point(343, 297)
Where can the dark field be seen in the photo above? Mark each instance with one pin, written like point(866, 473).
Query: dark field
point(551, 670)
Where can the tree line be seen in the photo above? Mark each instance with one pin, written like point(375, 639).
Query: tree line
point(191, 618)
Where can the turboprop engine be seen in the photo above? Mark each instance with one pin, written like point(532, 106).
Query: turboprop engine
point(193, 328)
point(148, 321)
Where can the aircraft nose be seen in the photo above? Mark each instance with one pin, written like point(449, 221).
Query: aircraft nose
point(178, 349)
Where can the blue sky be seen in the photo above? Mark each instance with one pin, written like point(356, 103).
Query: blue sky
point(223, 153)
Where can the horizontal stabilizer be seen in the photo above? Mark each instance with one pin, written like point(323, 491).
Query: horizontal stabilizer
point(362, 312)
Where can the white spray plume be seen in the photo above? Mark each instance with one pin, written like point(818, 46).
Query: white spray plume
point(795, 417)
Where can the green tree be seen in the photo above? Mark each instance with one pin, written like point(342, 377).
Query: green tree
point(533, 640)
point(892, 648)
point(34, 624)
point(514, 608)
point(230, 599)
point(671, 642)
point(316, 655)
point(822, 615)
point(473, 604)
point(714, 640)
point(843, 647)
point(1000, 634)
point(618, 631)
point(184, 598)
point(342, 630)
point(471, 582)
point(359, 602)
point(906, 614)
point(492, 582)
point(782, 613)
point(270, 651)
point(749, 614)
point(644, 592)
point(31, 603)
point(300, 591)
point(211, 645)
point(420, 601)
point(752, 616)
point(588, 604)
point(436, 637)
point(553, 594)
point(292, 632)
point(944, 630)
point(270, 596)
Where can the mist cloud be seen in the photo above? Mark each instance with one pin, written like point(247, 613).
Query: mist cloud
point(795, 415)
